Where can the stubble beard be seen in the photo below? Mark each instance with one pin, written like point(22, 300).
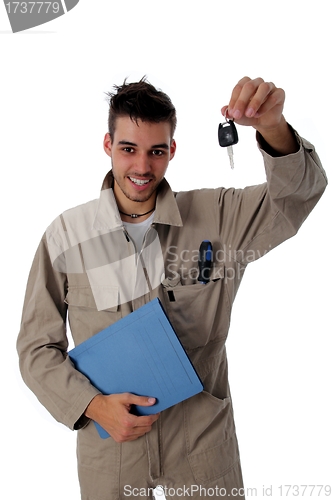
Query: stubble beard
point(139, 198)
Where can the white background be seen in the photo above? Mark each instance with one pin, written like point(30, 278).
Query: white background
point(53, 116)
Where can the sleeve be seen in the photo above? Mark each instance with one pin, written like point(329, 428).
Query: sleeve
point(256, 219)
point(42, 345)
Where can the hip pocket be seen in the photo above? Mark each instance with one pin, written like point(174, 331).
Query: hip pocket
point(211, 442)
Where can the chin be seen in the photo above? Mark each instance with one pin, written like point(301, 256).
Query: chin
point(140, 199)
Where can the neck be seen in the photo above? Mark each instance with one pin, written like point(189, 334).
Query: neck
point(134, 211)
point(134, 217)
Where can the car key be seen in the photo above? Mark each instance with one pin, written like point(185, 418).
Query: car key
point(227, 134)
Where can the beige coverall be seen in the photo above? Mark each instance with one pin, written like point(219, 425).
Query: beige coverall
point(86, 266)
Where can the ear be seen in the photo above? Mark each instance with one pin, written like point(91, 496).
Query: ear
point(107, 144)
point(172, 149)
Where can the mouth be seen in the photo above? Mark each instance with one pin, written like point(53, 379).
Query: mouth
point(139, 184)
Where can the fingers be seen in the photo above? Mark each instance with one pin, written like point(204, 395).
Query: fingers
point(275, 98)
point(248, 96)
point(128, 400)
point(255, 102)
point(253, 98)
point(133, 427)
point(144, 421)
point(125, 426)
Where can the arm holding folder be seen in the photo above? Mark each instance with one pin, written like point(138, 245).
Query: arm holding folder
point(140, 362)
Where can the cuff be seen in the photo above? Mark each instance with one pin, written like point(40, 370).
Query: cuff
point(77, 420)
point(266, 148)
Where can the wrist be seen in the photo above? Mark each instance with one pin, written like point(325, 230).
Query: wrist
point(279, 140)
point(93, 406)
point(272, 129)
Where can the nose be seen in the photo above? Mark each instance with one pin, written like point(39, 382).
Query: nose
point(142, 164)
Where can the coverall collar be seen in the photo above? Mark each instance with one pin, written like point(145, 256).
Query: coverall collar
point(108, 217)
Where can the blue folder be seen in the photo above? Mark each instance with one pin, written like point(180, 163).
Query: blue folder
point(140, 354)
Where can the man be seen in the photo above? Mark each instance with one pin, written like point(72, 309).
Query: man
point(102, 260)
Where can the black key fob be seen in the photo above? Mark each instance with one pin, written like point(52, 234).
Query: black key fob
point(227, 134)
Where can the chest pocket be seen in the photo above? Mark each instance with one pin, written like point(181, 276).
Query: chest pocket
point(199, 313)
point(84, 296)
point(84, 318)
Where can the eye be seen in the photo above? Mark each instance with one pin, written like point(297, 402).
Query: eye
point(157, 152)
point(128, 149)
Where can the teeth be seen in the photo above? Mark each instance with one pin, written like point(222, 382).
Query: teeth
point(139, 182)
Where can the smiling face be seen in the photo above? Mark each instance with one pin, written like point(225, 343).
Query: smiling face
point(140, 154)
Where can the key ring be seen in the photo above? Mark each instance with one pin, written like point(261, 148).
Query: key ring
point(226, 115)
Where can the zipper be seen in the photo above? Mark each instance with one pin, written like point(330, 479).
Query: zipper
point(154, 438)
point(139, 256)
point(143, 262)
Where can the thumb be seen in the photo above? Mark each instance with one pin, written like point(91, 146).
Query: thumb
point(133, 399)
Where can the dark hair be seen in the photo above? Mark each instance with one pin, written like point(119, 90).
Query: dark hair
point(140, 101)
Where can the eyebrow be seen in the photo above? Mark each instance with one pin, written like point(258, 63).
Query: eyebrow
point(163, 145)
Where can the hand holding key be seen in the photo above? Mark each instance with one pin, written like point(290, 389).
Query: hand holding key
point(260, 104)
point(256, 103)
